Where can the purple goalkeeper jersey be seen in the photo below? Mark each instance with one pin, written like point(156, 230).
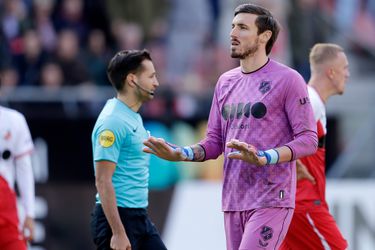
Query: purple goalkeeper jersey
point(267, 108)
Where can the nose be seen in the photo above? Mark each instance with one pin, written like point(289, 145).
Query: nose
point(233, 33)
point(156, 82)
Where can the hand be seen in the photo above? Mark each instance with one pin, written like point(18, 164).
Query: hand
point(120, 242)
point(303, 172)
point(162, 149)
point(246, 152)
point(28, 228)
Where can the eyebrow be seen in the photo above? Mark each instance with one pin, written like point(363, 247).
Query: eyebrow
point(239, 24)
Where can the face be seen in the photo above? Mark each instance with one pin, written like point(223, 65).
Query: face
point(52, 75)
point(340, 72)
point(244, 38)
point(146, 81)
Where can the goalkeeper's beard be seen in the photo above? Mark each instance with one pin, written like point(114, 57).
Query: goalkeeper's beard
point(249, 51)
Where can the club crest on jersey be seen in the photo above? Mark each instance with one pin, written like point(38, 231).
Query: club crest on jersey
point(264, 86)
point(266, 233)
point(106, 138)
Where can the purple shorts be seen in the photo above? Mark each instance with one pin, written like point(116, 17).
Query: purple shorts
point(263, 228)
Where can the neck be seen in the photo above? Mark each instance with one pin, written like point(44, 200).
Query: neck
point(130, 101)
point(254, 62)
point(322, 87)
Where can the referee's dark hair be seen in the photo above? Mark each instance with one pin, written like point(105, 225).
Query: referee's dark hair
point(265, 21)
point(124, 63)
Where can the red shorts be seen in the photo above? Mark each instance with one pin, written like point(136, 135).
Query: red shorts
point(10, 237)
point(313, 230)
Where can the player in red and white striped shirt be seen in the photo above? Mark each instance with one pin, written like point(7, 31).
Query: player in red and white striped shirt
point(15, 166)
point(312, 226)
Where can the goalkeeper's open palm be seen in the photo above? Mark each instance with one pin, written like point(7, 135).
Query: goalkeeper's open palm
point(162, 149)
point(245, 152)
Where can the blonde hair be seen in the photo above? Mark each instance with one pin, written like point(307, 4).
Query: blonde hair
point(323, 52)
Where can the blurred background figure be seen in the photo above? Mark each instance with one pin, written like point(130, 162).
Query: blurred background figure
point(96, 56)
point(67, 55)
point(9, 79)
point(186, 37)
point(51, 76)
point(41, 21)
point(307, 25)
point(30, 61)
point(70, 15)
point(127, 35)
point(13, 16)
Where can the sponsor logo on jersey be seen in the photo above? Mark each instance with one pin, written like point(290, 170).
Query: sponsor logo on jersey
point(237, 110)
point(106, 138)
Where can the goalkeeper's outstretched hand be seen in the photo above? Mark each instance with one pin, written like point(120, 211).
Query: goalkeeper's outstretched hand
point(245, 152)
point(163, 149)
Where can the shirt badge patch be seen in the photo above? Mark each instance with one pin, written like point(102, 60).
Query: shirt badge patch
point(265, 235)
point(7, 136)
point(264, 87)
point(106, 138)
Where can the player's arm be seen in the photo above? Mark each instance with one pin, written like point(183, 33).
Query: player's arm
point(303, 172)
point(170, 152)
point(305, 143)
point(209, 148)
point(103, 181)
point(25, 183)
point(301, 119)
point(247, 152)
point(25, 176)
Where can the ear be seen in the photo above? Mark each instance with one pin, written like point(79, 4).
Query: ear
point(130, 79)
point(330, 73)
point(265, 36)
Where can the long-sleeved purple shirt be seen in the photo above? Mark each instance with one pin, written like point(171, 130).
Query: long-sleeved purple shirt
point(267, 108)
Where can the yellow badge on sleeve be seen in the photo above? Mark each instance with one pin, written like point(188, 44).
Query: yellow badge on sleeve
point(106, 138)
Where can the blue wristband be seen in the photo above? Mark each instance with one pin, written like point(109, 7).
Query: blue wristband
point(271, 155)
point(188, 151)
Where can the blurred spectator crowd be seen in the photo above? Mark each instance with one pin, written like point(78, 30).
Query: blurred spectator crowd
point(55, 43)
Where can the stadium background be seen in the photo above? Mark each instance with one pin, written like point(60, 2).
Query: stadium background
point(53, 59)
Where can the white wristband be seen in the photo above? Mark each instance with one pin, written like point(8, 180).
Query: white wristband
point(273, 156)
point(188, 151)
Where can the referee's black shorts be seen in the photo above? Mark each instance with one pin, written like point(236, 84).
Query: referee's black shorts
point(140, 230)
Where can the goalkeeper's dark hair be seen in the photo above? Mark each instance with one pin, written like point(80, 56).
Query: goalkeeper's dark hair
point(265, 21)
point(124, 63)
